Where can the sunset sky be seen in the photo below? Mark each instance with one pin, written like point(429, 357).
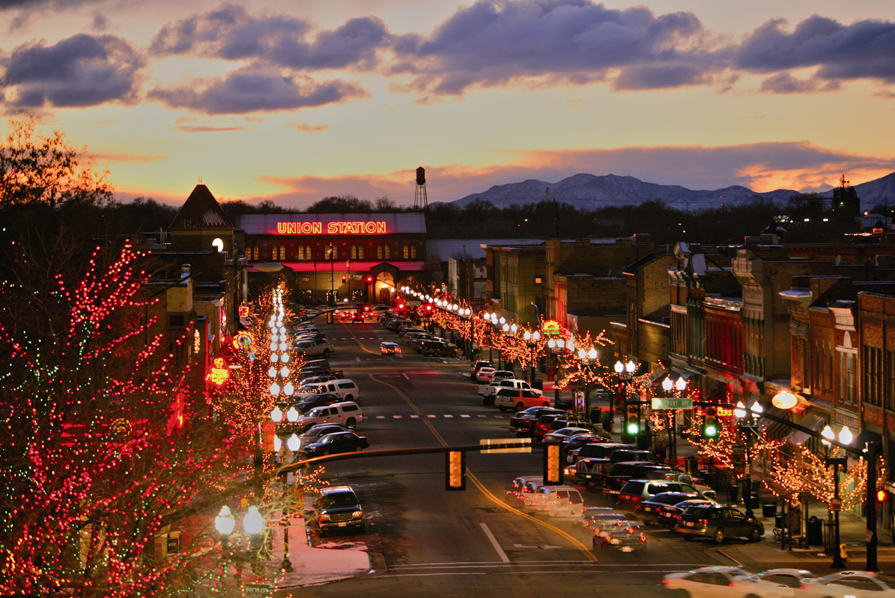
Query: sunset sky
point(294, 101)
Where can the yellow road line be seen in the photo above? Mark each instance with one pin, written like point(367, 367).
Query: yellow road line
point(575, 542)
point(357, 340)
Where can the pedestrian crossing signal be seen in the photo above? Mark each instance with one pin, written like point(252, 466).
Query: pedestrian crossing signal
point(456, 470)
point(710, 425)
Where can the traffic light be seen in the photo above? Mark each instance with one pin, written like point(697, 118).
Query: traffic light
point(344, 278)
point(882, 496)
point(553, 470)
point(456, 470)
point(369, 279)
point(621, 396)
point(428, 309)
point(710, 424)
point(632, 420)
point(400, 306)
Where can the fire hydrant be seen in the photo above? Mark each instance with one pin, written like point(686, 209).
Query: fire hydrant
point(842, 552)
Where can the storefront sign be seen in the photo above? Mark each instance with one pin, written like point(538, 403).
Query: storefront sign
point(331, 228)
point(219, 372)
point(551, 327)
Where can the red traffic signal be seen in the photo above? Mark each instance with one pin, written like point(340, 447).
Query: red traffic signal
point(369, 279)
point(882, 496)
point(428, 308)
point(400, 306)
point(344, 278)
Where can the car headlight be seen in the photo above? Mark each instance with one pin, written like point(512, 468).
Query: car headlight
point(357, 514)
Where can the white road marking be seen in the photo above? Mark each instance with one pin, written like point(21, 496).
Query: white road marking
point(432, 416)
point(406, 377)
point(448, 415)
point(398, 416)
point(464, 415)
point(544, 547)
point(503, 556)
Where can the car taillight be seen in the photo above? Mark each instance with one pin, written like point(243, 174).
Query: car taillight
point(703, 521)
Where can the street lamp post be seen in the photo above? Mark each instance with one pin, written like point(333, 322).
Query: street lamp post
point(845, 437)
point(531, 341)
point(588, 358)
point(625, 372)
point(555, 347)
point(747, 420)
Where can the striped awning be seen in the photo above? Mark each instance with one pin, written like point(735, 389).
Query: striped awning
point(774, 429)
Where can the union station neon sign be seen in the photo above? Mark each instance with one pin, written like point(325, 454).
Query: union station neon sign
point(332, 228)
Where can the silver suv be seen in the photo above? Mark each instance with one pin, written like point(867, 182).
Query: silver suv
point(347, 413)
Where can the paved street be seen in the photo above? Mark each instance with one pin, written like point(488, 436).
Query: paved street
point(423, 540)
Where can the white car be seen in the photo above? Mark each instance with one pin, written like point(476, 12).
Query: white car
point(850, 584)
point(347, 414)
point(484, 375)
point(775, 583)
point(706, 582)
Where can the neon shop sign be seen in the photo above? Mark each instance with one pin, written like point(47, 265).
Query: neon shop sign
point(332, 228)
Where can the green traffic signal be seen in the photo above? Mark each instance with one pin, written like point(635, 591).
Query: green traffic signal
point(710, 431)
point(633, 429)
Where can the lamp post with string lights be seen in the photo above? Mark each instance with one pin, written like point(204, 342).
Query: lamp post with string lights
point(845, 437)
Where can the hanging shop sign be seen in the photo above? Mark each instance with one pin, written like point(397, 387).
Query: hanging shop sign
point(219, 372)
point(332, 228)
point(551, 327)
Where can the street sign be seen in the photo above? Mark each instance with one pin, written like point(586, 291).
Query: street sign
point(413, 303)
point(672, 403)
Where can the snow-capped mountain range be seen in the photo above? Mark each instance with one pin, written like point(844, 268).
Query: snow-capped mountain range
point(587, 191)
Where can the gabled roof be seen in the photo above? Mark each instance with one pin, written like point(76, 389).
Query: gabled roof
point(201, 210)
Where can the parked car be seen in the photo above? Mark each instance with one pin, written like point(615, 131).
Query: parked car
point(572, 421)
point(313, 347)
point(623, 471)
point(347, 413)
point(489, 391)
point(314, 432)
point(318, 379)
point(342, 387)
point(338, 508)
point(648, 509)
point(670, 515)
point(308, 402)
point(439, 347)
point(636, 491)
point(603, 451)
point(564, 434)
point(484, 374)
point(476, 367)
point(522, 423)
point(620, 455)
point(388, 348)
point(575, 445)
point(403, 332)
point(718, 522)
point(511, 398)
point(417, 343)
point(704, 582)
point(335, 443)
point(592, 472)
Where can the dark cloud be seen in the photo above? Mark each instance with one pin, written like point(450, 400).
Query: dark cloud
point(659, 77)
point(493, 42)
point(784, 83)
point(231, 33)
point(80, 71)
point(15, 4)
point(865, 49)
point(252, 90)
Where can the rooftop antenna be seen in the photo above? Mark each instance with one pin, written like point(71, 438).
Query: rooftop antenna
point(420, 201)
point(200, 179)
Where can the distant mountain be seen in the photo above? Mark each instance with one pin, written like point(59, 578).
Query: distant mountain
point(587, 191)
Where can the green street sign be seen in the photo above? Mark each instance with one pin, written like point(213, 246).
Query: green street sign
point(672, 404)
point(413, 303)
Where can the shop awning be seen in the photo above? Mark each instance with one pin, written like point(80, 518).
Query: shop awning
point(812, 422)
point(774, 429)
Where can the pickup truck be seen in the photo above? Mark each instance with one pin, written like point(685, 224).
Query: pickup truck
point(487, 391)
point(313, 347)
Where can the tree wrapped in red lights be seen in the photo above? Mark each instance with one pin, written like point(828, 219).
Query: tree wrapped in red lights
point(101, 453)
point(720, 448)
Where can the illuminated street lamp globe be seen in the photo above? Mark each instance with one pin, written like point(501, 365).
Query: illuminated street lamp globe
point(592, 354)
point(619, 367)
point(225, 522)
point(582, 354)
point(276, 415)
point(630, 366)
point(292, 414)
point(293, 443)
point(667, 384)
point(681, 384)
point(253, 522)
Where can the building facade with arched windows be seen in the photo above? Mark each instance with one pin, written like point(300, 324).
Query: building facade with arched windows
point(334, 257)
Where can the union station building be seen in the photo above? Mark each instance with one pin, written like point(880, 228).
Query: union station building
point(331, 258)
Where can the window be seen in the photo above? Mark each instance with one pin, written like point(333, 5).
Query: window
point(406, 252)
point(332, 252)
point(379, 252)
point(354, 252)
point(309, 255)
point(282, 252)
point(274, 253)
point(360, 252)
point(413, 252)
point(256, 253)
point(388, 251)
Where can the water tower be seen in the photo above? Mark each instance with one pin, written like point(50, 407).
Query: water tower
point(420, 201)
